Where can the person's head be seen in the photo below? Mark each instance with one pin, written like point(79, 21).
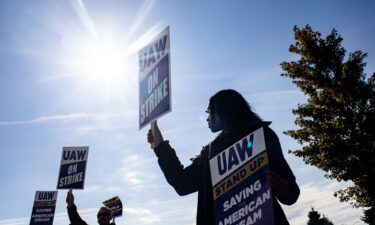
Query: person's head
point(104, 216)
point(229, 111)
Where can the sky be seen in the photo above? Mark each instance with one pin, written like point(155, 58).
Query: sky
point(69, 77)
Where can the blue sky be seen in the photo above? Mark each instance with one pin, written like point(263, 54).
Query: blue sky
point(52, 95)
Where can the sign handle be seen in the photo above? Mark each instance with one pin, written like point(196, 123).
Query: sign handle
point(153, 123)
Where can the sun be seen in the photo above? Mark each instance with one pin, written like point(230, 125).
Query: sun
point(98, 61)
point(98, 53)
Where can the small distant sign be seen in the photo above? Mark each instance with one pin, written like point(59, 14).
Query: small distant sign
point(155, 79)
point(73, 168)
point(44, 208)
point(115, 205)
point(241, 191)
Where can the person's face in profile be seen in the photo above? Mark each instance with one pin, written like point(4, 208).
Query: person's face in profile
point(104, 216)
point(214, 122)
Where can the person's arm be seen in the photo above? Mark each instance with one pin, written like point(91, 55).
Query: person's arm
point(74, 217)
point(280, 176)
point(183, 180)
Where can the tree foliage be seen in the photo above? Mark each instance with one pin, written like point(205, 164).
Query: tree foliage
point(336, 125)
point(316, 219)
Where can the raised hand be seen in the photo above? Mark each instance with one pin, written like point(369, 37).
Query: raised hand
point(154, 136)
point(70, 198)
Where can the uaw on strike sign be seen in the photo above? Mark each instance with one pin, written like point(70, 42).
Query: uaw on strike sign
point(73, 168)
point(242, 195)
point(43, 208)
point(154, 79)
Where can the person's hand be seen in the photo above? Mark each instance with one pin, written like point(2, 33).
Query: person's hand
point(280, 187)
point(70, 198)
point(154, 136)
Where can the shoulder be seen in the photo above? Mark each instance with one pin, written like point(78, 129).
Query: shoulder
point(270, 133)
point(262, 124)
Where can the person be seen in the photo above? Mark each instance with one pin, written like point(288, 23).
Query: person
point(104, 214)
point(229, 113)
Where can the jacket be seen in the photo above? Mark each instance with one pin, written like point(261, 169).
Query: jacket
point(197, 176)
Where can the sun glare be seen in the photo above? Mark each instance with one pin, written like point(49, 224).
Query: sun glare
point(99, 54)
point(99, 61)
point(104, 60)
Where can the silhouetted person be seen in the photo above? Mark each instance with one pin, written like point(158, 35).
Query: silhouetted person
point(229, 113)
point(104, 214)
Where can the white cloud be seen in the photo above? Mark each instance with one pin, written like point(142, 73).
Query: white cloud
point(135, 171)
point(95, 118)
point(320, 196)
point(17, 221)
point(59, 218)
point(141, 215)
point(132, 173)
point(46, 119)
point(180, 210)
point(271, 100)
point(275, 93)
point(93, 188)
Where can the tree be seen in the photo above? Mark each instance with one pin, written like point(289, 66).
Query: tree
point(316, 219)
point(336, 125)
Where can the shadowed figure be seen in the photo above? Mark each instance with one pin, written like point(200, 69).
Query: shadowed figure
point(229, 113)
point(104, 214)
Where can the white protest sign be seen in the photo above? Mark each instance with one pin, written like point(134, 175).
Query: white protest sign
point(155, 79)
point(73, 168)
point(236, 155)
point(44, 208)
point(241, 192)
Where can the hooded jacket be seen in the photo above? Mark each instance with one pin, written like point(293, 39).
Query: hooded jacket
point(197, 176)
